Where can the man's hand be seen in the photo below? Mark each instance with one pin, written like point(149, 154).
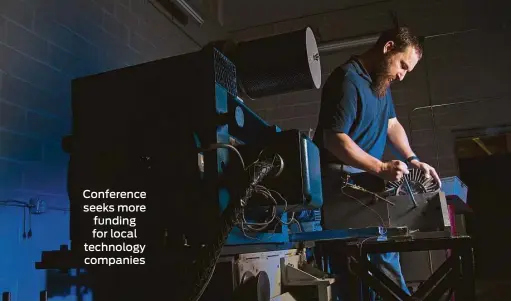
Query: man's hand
point(393, 170)
point(428, 170)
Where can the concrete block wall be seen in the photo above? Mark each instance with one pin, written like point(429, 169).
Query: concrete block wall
point(43, 45)
point(465, 61)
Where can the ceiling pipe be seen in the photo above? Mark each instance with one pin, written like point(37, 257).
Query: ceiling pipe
point(339, 45)
point(220, 11)
point(191, 11)
point(366, 40)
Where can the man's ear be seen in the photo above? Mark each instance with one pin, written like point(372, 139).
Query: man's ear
point(389, 46)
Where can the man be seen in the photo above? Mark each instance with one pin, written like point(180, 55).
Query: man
point(356, 119)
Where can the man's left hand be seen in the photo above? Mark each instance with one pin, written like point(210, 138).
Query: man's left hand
point(428, 170)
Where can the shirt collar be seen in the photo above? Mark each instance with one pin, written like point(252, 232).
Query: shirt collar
point(359, 68)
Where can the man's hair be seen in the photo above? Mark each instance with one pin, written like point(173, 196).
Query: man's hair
point(402, 38)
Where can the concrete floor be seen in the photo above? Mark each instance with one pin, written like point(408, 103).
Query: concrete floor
point(495, 290)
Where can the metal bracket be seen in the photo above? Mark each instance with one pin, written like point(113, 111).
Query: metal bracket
point(306, 275)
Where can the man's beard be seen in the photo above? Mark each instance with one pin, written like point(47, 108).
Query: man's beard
point(381, 76)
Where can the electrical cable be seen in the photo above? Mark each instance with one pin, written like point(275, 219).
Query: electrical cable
point(26, 206)
point(228, 146)
point(235, 213)
point(258, 170)
point(231, 216)
point(24, 223)
point(58, 209)
point(346, 182)
point(252, 226)
point(268, 192)
point(16, 203)
point(228, 219)
point(29, 234)
point(356, 187)
point(206, 284)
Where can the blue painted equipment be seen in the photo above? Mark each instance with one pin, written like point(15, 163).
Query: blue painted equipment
point(178, 130)
point(456, 193)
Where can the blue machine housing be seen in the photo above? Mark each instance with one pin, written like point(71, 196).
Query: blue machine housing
point(162, 132)
point(250, 132)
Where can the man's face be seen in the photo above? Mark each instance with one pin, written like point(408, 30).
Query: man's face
point(393, 67)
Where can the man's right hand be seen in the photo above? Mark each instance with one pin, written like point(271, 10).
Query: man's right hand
point(393, 170)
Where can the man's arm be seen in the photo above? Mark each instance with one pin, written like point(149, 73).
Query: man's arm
point(397, 136)
point(345, 149)
point(339, 115)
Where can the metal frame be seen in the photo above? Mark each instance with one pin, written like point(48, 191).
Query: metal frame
point(456, 274)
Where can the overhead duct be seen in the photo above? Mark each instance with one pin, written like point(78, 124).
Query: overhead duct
point(339, 45)
point(278, 64)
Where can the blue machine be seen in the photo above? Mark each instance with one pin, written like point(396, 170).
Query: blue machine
point(178, 130)
point(298, 186)
point(299, 183)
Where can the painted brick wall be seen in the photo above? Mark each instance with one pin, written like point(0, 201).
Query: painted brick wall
point(463, 66)
point(43, 45)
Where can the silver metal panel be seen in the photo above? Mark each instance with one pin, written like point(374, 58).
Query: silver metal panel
point(430, 215)
point(253, 263)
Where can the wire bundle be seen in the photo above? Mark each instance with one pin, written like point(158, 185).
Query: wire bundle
point(259, 170)
point(234, 215)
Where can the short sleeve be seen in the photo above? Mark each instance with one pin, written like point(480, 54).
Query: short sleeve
point(340, 110)
point(391, 108)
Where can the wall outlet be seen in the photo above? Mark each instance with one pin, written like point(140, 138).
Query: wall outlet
point(37, 206)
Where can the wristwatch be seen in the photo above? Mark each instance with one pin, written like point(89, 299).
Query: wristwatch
point(411, 158)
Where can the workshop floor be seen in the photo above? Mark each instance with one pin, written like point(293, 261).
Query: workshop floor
point(493, 290)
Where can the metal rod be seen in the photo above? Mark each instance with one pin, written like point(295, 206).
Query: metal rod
point(431, 107)
point(482, 146)
point(330, 47)
point(409, 189)
point(220, 11)
point(191, 11)
point(451, 104)
point(433, 119)
point(334, 46)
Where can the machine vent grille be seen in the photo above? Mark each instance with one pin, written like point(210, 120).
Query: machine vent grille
point(225, 73)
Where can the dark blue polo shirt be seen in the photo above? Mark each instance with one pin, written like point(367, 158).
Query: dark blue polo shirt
point(348, 105)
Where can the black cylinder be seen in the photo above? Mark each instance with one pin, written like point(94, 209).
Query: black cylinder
point(6, 296)
point(254, 288)
point(278, 64)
